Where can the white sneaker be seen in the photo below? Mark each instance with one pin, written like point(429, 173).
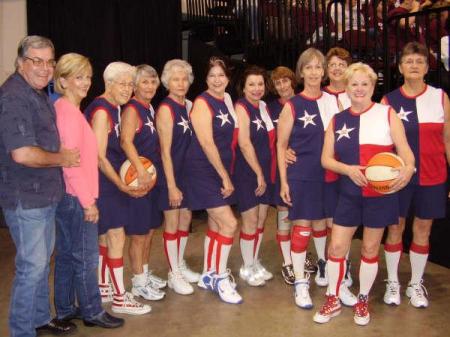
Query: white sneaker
point(392, 294)
point(128, 305)
point(156, 281)
point(106, 292)
point(189, 275)
point(321, 277)
point(148, 292)
point(331, 308)
point(206, 280)
point(346, 296)
point(262, 272)
point(301, 294)
point(177, 282)
point(417, 294)
point(225, 289)
point(249, 275)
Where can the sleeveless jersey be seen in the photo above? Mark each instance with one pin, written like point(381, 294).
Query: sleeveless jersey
point(262, 136)
point(224, 129)
point(423, 119)
point(114, 152)
point(311, 118)
point(341, 97)
point(358, 137)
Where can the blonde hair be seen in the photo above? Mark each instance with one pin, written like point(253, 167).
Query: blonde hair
point(360, 67)
point(69, 65)
point(307, 56)
point(176, 65)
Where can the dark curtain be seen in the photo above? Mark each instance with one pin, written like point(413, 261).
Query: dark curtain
point(133, 31)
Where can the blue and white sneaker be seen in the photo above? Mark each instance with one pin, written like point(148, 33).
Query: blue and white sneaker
point(301, 294)
point(223, 286)
point(206, 280)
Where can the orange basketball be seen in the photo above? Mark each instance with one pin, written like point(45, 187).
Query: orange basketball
point(128, 172)
point(379, 171)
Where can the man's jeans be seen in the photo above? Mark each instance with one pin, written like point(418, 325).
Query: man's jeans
point(33, 233)
point(76, 261)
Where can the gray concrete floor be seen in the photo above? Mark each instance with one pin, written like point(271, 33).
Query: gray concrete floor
point(266, 311)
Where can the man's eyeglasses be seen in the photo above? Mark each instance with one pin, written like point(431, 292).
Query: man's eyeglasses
point(38, 62)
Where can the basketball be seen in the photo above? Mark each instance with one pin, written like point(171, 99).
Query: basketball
point(379, 171)
point(128, 172)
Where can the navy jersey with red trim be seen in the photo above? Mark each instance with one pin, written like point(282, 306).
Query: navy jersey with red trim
point(146, 138)
point(114, 152)
point(358, 137)
point(311, 118)
point(181, 135)
point(423, 119)
point(274, 107)
point(224, 135)
point(262, 137)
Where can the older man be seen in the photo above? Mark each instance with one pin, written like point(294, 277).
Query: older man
point(31, 184)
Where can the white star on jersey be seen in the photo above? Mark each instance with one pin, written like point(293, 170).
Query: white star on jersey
point(116, 128)
point(344, 132)
point(404, 114)
point(185, 125)
point(258, 123)
point(223, 117)
point(150, 125)
point(307, 119)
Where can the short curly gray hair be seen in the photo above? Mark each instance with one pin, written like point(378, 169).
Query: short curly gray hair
point(176, 65)
point(115, 69)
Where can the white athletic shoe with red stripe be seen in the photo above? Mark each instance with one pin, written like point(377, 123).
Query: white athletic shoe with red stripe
point(106, 292)
point(126, 304)
point(331, 308)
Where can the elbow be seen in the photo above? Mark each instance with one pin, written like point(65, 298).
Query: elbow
point(19, 156)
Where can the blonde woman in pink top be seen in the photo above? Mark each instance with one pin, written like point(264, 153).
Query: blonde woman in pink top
point(76, 245)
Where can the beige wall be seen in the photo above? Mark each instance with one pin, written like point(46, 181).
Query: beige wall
point(13, 26)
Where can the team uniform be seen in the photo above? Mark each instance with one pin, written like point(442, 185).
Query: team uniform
point(423, 119)
point(143, 212)
point(262, 136)
point(181, 139)
point(306, 176)
point(203, 184)
point(112, 203)
point(357, 138)
point(331, 179)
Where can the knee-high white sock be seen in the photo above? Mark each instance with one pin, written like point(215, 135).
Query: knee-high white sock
point(116, 272)
point(320, 242)
point(247, 244)
point(284, 242)
point(208, 262)
point(393, 253)
point(418, 255)
point(223, 248)
point(171, 249)
point(367, 274)
point(182, 242)
point(299, 243)
point(103, 270)
point(336, 272)
point(258, 240)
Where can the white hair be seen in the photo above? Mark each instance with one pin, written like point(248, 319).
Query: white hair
point(147, 70)
point(115, 69)
point(176, 65)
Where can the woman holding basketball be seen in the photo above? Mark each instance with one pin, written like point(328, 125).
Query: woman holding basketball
point(354, 136)
point(209, 162)
point(425, 114)
point(138, 137)
point(174, 131)
point(104, 116)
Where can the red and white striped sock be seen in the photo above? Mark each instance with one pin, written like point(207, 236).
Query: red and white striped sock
point(320, 241)
point(171, 249)
point(258, 240)
point(116, 273)
point(367, 274)
point(223, 247)
point(247, 244)
point(182, 242)
point(336, 272)
point(418, 256)
point(392, 254)
point(103, 270)
point(284, 242)
point(208, 262)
